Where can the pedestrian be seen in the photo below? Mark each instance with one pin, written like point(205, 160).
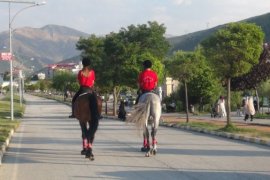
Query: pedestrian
point(192, 109)
point(66, 93)
point(250, 110)
point(222, 109)
point(122, 111)
point(147, 79)
point(255, 104)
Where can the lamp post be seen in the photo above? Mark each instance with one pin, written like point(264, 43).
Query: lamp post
point(32, 4)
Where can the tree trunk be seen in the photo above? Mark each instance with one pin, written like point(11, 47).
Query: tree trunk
point(186, 96)
point(114, 101)
point(106, 107)
point(228, 104)
point(258, 100)
point(116, 92)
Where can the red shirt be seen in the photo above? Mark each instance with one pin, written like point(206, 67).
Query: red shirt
point(148, 80)
point(87, 81)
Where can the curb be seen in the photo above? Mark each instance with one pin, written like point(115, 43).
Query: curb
point(5, 145)
point(220, 134)
point(215, 133)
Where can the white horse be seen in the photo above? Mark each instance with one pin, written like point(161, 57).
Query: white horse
point(147, 112)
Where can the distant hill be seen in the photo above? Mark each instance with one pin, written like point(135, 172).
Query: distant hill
point(36, 47)
point(189, 41)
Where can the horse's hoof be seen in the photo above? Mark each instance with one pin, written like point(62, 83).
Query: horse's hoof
point(83, 152)
point(147, 154)
point(92, 157)
point(153, 152)
point(145, 149)
point(88, 153)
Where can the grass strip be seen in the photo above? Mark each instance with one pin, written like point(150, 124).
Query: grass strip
point(251, 132)
point(6, 125)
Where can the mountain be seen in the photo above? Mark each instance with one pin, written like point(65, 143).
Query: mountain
point(189, 41)
point(36, 47)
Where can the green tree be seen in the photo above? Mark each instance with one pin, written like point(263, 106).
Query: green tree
point(44, 85)
point(61, 79)
point(204, 87)
point(264, 88)
point(183, 67)
point(232, 51)
point(121, 55)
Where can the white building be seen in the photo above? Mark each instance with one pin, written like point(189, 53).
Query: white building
point(169, 86)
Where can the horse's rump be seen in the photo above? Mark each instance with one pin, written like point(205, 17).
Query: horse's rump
point(82, 107)
point(148, 108)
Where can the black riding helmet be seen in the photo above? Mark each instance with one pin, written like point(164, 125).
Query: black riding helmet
point(86, 61)
point(147, 64)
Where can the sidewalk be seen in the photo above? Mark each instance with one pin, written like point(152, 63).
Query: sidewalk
point(234, 118)
point(260, 125)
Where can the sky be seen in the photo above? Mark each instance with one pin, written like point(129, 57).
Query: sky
point(101, 17)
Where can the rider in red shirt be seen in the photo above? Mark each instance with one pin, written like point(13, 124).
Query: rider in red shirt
point(147, 79)
point(86, 78)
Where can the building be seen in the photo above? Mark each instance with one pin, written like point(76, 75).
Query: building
point(71, 67)
point(169, 86)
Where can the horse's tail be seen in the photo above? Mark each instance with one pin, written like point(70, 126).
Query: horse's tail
point(94, 115)
point(140, 114)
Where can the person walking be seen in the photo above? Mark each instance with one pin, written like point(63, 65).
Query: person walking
point(249, 108)
point(221, 104)
point(122, 111)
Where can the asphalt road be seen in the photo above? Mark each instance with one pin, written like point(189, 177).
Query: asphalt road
point(47, 146)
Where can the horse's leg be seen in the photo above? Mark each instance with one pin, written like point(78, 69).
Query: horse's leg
point(90, 139)
point(156, 117)
point(84, 138)
point(154, 140)
point(146, 143)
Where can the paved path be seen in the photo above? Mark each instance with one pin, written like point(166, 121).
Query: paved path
point(234, 118)
point(47, 146)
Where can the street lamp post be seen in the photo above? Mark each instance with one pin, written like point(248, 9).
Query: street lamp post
point(32, 4)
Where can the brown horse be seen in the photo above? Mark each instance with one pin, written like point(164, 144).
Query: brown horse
point(88, 124)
